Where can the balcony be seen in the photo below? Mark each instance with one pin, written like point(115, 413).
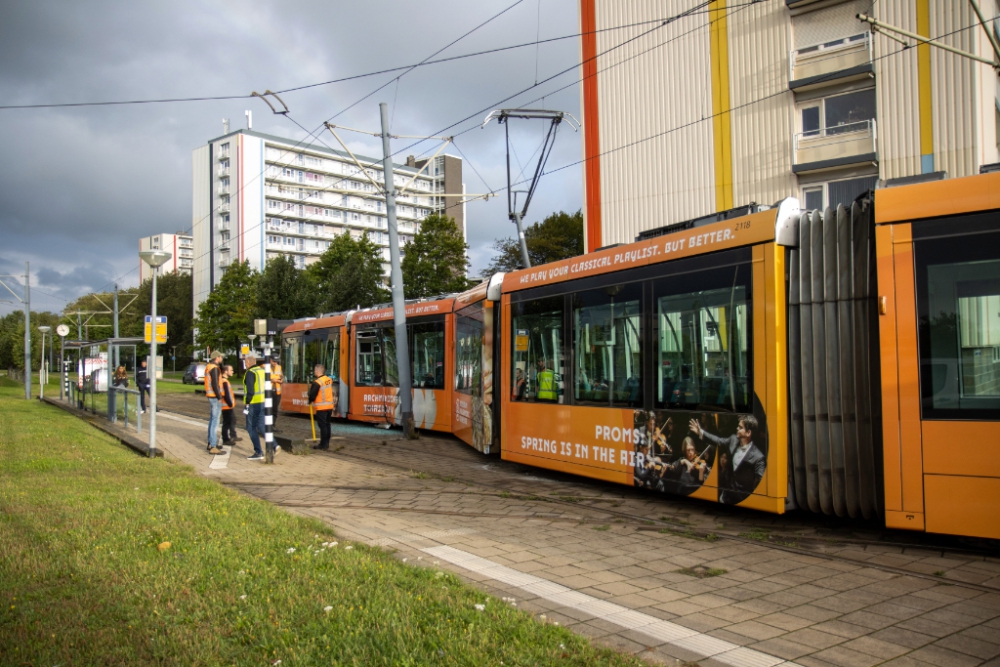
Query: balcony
point(223, 170)
point(838, 61)
point(222, 189)
point(222, 207)
point(837, 146)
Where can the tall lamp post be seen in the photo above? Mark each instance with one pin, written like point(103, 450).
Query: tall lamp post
point(155, 259)
point(43, 363)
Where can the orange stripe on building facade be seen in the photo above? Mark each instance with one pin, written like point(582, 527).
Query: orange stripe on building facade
point(591, 130)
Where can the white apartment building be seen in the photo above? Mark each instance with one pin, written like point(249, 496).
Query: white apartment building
point(754, 102)
point(258, 196)
point(181, 249)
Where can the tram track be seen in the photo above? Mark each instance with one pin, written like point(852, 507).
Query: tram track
point(677, 527)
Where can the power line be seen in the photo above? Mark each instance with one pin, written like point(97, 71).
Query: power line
point(353, 77)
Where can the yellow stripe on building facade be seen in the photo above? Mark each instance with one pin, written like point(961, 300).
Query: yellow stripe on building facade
point(721, 119)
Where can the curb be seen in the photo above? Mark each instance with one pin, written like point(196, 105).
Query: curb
point(102, 424)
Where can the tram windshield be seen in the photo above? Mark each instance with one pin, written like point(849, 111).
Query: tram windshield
point(292, 359)
point(322, 348)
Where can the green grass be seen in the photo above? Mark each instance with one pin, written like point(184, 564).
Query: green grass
point(82, 580)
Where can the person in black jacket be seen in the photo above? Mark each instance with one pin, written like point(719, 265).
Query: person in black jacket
point(747, 461)
point(142, 384)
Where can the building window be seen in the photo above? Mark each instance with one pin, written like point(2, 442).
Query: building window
point(833, 193)
point(850, 112)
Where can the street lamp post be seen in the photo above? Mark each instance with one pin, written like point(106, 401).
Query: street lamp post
point(43, 363)
point(155, 259)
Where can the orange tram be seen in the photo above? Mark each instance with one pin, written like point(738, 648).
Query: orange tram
point(844, 362)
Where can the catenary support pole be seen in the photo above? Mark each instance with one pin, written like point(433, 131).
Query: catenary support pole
point(152, 372)
point(27, 332)
point(405, 397)
point(116, 362)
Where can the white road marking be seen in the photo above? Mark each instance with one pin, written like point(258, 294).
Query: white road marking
point(175, 418)
point(665, 631)
point(220, 461)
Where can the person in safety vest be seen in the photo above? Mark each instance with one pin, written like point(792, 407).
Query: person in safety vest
point(321, 398)
point(546, 379)
point(213, 390)
point(253, 402)
point(228, 403)
point(277, 379)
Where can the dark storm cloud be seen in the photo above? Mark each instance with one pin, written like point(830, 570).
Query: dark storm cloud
point(80, 186)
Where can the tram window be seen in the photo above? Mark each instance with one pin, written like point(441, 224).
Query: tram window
point(608, 346)
point(292, 359)
point(469, 350)
point(538, 354)
point(703, 342)
point(323, 349)
point(958, 295)
point(390, 374)
point(427, 358)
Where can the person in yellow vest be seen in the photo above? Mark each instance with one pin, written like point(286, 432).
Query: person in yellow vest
point(213, 390)
point(228, 403)
point(321, 398)
point(546, 379)
point(253, 402)
point(277, 378)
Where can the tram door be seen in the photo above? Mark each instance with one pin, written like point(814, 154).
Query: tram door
point(939, 329)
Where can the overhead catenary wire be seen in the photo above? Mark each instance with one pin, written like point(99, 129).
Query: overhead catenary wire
point(660, 23)
point(344, 79)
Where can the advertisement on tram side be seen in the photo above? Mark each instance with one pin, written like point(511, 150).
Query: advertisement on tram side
point(473, 396)
point(381, 404)
point(718, 456)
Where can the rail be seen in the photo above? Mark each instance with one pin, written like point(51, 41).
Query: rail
point(827, 50)
point(845, 132)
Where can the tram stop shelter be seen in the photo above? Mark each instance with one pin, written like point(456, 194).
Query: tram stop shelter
point(88, 377)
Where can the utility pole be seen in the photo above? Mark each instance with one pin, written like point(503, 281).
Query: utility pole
point(27, 333)
point(396, 278)
point(115, 360)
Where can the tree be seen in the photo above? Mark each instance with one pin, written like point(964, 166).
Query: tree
point(435, 261)
point(558, 236)
point(284, 292)
point(226, 317)
point(349, 275)
point(12, 339)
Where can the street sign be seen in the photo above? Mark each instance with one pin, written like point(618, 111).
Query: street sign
point(244, 350)
point(161, 329)
point(62, 330)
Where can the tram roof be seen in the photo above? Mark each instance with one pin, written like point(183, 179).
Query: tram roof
point(951, 196)
point(745, 230)
point(413, 309)
point(321, 322)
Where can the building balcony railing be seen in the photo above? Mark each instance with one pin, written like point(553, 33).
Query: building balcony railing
point(841, 145)
point(185, 244)
point(223, 208)
point(222, 155)
point(222, 189)
point(831, 61)
point(223, 170)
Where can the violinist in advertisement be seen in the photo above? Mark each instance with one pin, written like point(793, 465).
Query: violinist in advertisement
point(747, 460)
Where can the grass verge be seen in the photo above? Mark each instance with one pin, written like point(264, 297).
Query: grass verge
point(82, 580)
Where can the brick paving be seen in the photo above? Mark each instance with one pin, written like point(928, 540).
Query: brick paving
point(801, 589)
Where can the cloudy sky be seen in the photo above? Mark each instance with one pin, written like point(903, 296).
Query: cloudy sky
point(80, 185)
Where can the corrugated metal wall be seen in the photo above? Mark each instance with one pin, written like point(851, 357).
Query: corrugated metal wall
point(957, 107)
point(761, 131)
point(959, 98)
point(898, 115)
point(651, 86)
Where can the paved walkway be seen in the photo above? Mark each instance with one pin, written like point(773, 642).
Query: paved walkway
point(669, 580)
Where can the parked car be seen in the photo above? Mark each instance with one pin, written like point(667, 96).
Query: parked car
point(195, 374)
